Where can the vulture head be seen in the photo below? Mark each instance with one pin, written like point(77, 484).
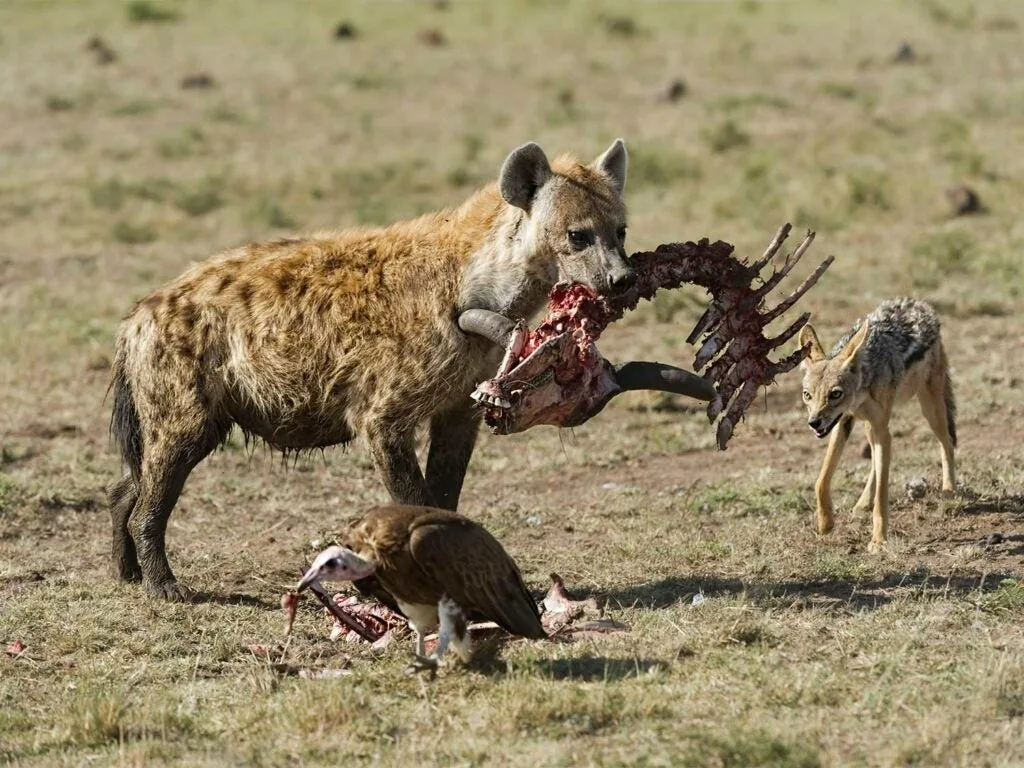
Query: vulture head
point(336, 564)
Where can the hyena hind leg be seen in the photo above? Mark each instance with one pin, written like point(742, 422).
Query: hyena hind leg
point(122, 497)
point(165, 468)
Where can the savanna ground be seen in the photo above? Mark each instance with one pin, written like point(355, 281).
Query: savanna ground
point(806, 651)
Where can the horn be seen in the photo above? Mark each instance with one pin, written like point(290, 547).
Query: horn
point(492, 326)
point(663, 378)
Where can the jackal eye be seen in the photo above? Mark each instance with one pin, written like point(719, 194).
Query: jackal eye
point(835, 394)
point(807, 395)
point(580, 238)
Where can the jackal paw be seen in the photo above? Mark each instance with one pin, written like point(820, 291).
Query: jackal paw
point(876, 547)
point(826, 522)
point(171, 591)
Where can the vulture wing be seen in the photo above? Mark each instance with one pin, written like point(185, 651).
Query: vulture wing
point(474, 570)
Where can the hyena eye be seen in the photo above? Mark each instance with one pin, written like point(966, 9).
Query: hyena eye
point(835, 394)
point(580, 238)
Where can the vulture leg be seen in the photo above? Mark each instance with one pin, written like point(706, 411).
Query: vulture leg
point(453, 630)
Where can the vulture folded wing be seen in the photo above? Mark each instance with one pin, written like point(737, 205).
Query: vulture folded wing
point(473, 569)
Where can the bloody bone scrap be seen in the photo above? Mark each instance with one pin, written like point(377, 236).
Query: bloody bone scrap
point(555, 374)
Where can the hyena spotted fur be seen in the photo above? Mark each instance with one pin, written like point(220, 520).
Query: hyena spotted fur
point(308, 342)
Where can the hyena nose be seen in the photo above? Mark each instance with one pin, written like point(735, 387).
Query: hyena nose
point(623, 280)
point(815, 424)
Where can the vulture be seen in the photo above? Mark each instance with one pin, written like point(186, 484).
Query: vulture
point(438, 568)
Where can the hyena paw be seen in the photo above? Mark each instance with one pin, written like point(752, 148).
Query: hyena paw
point(128, 570)
point(171, 590)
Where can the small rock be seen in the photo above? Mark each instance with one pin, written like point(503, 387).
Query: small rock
point(964, 201)
point(432, 37)
point(673, 92)
point(698, 599)
point(904, 54)
point(345, 31)
point(620, 25)
point(916, 487)
point(534, 520)
point(315, 543)
point(104, 53)
point(993, 539)
point(609, 486)
point(198, 81)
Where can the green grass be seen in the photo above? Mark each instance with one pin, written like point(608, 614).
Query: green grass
point(805, 651)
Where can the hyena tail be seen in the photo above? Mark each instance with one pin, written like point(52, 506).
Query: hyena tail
point(124, 420)
point(950, 408)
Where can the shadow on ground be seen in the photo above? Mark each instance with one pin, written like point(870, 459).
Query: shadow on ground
point(854, 593)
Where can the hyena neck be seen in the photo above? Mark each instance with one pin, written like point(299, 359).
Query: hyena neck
point(510, 271)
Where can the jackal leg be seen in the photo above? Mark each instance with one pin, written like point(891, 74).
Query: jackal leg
point(823, 488)
point(881, 457)
point(452, 438)
point(393, 450)
point(933, 406)
point(122, 497)
point(867, 497)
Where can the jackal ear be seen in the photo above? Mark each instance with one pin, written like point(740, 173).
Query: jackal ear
point(808, 336)
point(523, 173)
point(613, 163)
point(848, 353)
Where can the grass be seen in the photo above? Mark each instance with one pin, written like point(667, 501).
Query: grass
point(799, 651)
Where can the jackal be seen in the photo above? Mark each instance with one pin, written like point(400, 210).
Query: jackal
point(894, 354)
point(308, 342)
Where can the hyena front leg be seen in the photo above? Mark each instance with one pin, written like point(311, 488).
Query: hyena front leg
point(452, 438)
point(393, 450)
point(122, 497)
point(823, 488)
point(867, 496)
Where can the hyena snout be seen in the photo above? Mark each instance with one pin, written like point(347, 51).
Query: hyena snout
point(621, 279)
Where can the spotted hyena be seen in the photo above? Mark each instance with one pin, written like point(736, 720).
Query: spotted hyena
point(311, 341)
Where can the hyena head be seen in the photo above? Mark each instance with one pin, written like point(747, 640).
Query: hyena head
point(832, 385)
point(575, 214)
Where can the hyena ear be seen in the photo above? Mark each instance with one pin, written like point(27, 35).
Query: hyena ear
point(522, 174)
point(613, 163)
point(808, 336)
point(848, 353)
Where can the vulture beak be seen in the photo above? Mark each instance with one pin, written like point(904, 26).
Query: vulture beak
point(336, 564)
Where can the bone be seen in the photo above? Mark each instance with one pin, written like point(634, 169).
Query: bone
point(772, 249)
point(800, 291)
point(710, 317)
point(336, 612)
point(777, 341)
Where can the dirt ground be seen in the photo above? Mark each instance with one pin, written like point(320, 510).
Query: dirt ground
point(798, 649)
